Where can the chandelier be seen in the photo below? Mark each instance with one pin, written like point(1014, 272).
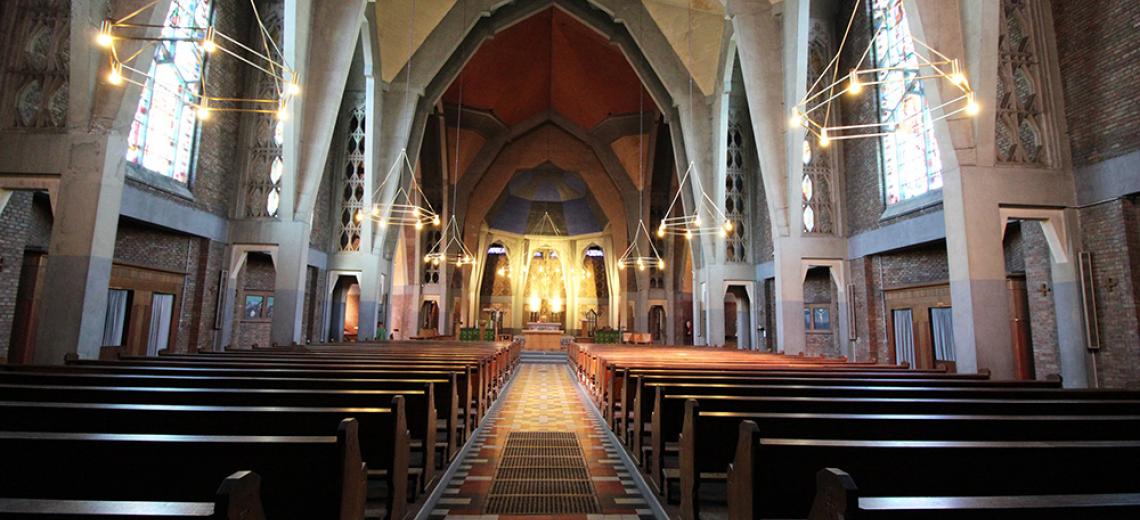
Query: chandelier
point(813, 112)
point(404, 208)
point(633, 256)
point(449, 248)
point(707, 217)
point(268, 60)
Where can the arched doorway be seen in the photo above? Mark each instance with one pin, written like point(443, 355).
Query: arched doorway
point(657, 323)
point(344, 309)
point(593, 291)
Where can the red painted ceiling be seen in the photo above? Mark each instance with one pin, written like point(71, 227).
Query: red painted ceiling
point(549, 61)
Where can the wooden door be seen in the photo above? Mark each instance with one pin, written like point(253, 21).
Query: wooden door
point(22, 344)
point(1019, 327)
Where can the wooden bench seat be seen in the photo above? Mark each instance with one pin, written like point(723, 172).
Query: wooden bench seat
point(777, 479)
point(302, 477)
point(238, 498)
point(838, 498)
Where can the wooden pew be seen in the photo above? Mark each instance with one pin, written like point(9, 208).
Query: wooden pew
point(383, 434)
point(462, 391)
point(444, 390)
point(709, 439)
point(238, 498)
point(473, 380)
point(302, 477)
point(669, 412)
point(775, 478)
point(414, 408)
point(631, 397)
point(838, 498)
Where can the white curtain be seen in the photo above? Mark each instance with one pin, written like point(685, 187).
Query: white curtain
point(942, 326)
point(116, 318)
point(904, 336)
point(161, 307)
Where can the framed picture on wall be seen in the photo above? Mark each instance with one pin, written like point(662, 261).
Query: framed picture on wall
point(253, 304)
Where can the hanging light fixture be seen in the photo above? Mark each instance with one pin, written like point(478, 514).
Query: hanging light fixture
point(707, 217)
point(408, 206)
point(633, 256)
point(545, 226)
point(269, 60)
point(813, 112)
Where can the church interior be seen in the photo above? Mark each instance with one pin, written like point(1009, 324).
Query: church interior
point(570, 259)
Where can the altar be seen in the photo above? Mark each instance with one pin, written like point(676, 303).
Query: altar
point(543, 336)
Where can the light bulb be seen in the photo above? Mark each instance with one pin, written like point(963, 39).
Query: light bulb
point(824, 141)
point(640, 265)
point(209, 46)
point(104, 39)
point(661, 232)
point(383, 222)
point(115, 77)
point(293, 89)
point(723, 233)
point(427, 258)
point(688, 235)
point(419, 225)
point(697, 221)
point(358, 216)
point(957, 78)
point(972, 107)
point(797, 119)
point(376, 211)
point(282, 113)
point(435, 261)
point(435, 221)
point(203, 112)
point(728, 225)
point(855, 87)
point(660, 263)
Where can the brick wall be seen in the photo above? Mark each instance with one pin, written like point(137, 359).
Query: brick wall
point(1109, 232)
point(15, 223)
point(875, 274)
point(1097, 42)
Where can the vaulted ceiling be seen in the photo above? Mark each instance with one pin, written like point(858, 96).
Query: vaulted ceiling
point(550, 62)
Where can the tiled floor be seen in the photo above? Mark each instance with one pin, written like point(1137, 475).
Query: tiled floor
point(543, 397)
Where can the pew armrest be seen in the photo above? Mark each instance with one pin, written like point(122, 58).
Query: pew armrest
point(239, 497)
point(836, 495)
point(740, 473)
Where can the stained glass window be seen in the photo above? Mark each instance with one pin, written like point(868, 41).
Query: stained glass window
point(911, 163)
point(162, 134)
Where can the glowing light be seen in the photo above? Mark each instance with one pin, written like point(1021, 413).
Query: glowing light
point(728, 225)
point(824, 141)
point(435, 221)
point(435, 261)
point(419, 225)
point(688, 235)
point(556, 304)
point(104, 38)
point(501, 272)
point(660, 232)
point(797, 119)
point(660, 264)
point(293, 89)
point(855, 87)
point(534, 303)
point(115, 77)
point(972, 107)
point(358, 216)
point(209, 46)
point(697, 221)
point(203, 112)
point(427, 258)
point(957, 78)
point(282, 113)
point(376, 211)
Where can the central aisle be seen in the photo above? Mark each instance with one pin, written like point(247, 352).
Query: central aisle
point(543, 451)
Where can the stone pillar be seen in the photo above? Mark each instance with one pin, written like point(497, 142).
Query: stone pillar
point(978, 290)
point(369, 299)
point(743, 324)
point(789, 299)
point(82, 249)
point(291, 263)
point(1071, 340)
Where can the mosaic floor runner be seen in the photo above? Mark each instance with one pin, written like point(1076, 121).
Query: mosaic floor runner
point(543, 454)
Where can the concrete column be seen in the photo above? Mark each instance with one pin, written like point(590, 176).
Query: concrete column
point(369, 300)
point(292, 261)
point(743, 325)
point(977, 277)
point(82, 249)
point(789, 300)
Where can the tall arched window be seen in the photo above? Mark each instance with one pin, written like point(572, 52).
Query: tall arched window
point(911, 162)
point(162, 134)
